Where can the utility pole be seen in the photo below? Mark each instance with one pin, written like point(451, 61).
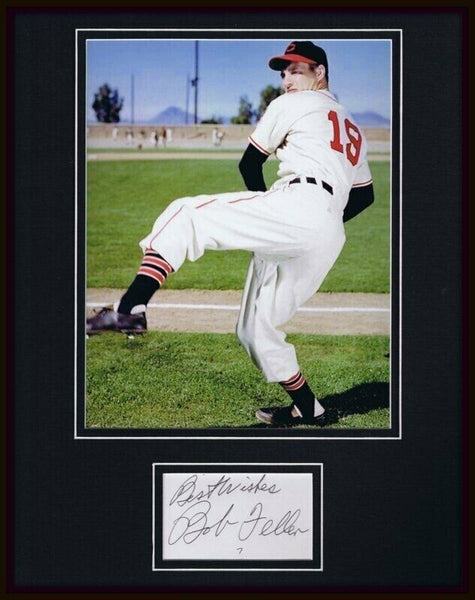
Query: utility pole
point(195, 82)
point(187, 97)
point(132, 94)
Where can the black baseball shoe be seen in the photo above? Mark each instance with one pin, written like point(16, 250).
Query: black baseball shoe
point(109, 320)
point(281, 416)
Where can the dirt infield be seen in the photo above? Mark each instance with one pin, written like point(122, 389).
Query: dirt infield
point(216, 312)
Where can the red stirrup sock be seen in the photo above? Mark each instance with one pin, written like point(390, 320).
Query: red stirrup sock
point(151, 275)
point(304, 403)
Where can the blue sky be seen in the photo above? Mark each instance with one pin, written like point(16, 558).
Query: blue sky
point(359, 73)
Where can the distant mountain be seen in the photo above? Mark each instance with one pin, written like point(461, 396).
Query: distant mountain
point(171, 116)
point(176, 116)
point(371, 119)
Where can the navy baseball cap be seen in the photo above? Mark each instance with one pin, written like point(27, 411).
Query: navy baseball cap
point(306, 52)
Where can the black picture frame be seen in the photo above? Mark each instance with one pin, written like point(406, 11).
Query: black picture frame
point(79, 510)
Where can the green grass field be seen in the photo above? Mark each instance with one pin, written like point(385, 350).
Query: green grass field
point(190, 380)
point(185, 380)
point(125, 197)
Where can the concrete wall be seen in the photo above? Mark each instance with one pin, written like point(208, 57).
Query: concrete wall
point(199, 137)
point(192, 133)
point(179, 132)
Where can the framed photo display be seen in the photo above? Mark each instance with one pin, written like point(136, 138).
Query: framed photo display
point(171, 454)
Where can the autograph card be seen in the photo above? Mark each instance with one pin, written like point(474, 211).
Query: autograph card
point(237, 516)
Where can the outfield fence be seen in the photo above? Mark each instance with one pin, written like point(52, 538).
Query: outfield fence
point(235, 137)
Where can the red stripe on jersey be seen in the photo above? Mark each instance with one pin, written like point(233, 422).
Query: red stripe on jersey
point(362, 184)
point(151, 273)
point(205, 203)
point(242, 199)
point(260, 148)
point(327, 95)
point(172, 217)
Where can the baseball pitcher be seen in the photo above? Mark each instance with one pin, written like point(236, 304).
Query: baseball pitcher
point(294, 229)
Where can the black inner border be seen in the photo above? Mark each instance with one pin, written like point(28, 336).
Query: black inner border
point(317, 561)
point(391, 432)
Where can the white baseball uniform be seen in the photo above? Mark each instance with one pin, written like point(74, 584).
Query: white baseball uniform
point(295, 230)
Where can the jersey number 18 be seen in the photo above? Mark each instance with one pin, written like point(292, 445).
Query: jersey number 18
point(353, 148)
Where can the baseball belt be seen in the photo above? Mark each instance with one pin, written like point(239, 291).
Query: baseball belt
point(326, 186)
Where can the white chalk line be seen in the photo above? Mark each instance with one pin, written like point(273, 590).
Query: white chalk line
point(311, 309)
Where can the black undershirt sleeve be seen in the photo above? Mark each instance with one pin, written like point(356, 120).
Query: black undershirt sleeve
point(359, 199)
point(250, 167)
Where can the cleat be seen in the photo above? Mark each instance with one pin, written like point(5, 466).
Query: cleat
point(281, 416)
point(109, 320)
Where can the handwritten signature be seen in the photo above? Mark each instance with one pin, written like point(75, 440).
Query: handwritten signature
point(187, 492)
point(194, 523)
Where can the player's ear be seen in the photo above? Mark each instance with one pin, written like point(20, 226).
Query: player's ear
point(320, 72)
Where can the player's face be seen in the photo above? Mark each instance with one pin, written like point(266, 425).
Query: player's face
point(298, 76)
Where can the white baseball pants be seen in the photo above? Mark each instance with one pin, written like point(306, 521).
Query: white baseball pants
point(296, 234)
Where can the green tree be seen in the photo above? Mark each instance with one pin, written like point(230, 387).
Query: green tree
point(245, 112)
point(107, 104)
point(213, 121)
point(268, 94)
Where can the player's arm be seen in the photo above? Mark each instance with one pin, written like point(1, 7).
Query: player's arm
point(360, 198)
point(250, 167)
point(269, 133)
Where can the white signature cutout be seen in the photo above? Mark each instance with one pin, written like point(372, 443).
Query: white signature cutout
point(237, 516)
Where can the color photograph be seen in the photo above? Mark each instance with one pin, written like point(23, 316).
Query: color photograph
point(238, 234)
